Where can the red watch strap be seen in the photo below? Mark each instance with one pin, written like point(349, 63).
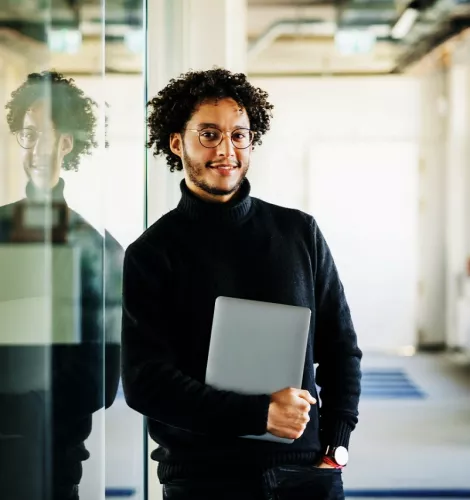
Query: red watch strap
point(331, 462)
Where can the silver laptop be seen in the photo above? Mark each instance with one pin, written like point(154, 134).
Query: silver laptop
point(257, 348)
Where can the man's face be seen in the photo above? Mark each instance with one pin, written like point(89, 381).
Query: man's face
point(46, 148)
point(204, 167)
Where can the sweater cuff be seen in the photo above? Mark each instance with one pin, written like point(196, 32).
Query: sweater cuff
point(336, 434)
point(253, 420)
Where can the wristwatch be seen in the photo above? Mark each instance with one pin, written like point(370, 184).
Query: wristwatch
point(338, 455)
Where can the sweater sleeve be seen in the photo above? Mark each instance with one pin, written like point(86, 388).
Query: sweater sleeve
point(152, 382)
point(336, 352)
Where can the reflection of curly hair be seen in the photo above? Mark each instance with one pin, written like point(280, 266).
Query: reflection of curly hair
point(174, 105)
point(71, 111)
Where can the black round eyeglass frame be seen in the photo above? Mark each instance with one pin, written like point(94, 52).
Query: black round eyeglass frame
point(38, 135)
point(200, 131)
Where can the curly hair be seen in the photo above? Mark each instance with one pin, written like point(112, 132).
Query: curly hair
point(72, 112)
point(171, 109)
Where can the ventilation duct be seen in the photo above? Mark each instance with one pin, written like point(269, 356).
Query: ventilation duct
point(290, 27)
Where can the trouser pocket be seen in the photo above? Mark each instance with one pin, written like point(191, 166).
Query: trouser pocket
point(293, 482)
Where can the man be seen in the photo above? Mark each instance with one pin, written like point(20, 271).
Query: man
point(49, 390)
point(220, 241)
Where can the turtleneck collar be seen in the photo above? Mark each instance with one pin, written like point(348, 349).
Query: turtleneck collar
point(57, 192)
point(234, 211)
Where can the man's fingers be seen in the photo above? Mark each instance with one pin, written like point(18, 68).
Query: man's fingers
point(308, 397)
point(304, 418)
point(304, 406)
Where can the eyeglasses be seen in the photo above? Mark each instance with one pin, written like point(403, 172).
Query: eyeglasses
point(212, 137)
point(28, 137)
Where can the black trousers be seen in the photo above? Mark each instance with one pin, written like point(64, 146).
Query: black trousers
point(280, 483)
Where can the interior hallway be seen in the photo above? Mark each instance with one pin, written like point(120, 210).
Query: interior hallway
point(414, 428)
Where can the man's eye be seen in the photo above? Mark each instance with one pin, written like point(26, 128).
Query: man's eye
point(209, 135)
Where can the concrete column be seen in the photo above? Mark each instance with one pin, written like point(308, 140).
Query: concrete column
point(183, 35)
point(217, 34)
point(457, 219)
point(431, 321)
point(161, 58)
point(458, 185)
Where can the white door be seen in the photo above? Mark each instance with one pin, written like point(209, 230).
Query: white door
point(364, 196)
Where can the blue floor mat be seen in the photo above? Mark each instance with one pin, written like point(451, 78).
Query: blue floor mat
point(394, 383)
point(120, 492)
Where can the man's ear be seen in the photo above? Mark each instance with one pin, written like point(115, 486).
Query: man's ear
point(66, 144)
point(176, 144)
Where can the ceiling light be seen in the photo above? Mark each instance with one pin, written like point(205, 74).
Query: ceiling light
point(405, 23)
point(64, 40)
point(351, 42)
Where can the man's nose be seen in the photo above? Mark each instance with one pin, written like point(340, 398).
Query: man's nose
point(226, 147)
point(43, 146)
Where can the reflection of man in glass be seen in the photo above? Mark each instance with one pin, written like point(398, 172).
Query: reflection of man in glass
point(54, 123)
point(50, 389)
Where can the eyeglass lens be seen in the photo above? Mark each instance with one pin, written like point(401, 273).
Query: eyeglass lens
point(28, 137)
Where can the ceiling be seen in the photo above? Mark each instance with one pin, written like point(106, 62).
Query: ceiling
point(312, 37)
point(346, 37)
point(297, 37)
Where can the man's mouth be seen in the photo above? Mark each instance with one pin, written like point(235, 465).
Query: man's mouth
point(40, 167)
point(223, 169)
point(224, 166)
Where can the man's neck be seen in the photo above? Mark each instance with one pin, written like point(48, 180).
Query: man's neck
point(41, 194)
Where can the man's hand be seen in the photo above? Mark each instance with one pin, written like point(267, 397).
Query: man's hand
point(289, 412)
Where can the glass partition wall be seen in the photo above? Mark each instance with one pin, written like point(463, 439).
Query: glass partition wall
point(72, 146)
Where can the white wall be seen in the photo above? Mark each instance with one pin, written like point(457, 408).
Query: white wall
point(364, 195)
point(346, 150)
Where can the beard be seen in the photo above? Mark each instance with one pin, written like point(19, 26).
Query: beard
point(196, 172)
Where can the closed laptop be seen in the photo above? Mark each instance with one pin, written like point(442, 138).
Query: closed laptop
point(257, 348)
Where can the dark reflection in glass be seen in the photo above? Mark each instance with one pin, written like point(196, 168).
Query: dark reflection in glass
point(60, 300)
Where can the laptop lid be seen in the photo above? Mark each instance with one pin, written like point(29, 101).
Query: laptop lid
point(257, 348)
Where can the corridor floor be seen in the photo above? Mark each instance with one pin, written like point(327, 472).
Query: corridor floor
point(414, 428)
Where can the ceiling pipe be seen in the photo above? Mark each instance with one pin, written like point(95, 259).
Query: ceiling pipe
point(301, 27)
point(283, 27)
point(448, 19)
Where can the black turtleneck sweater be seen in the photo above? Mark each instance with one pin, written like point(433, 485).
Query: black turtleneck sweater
point(173, 274)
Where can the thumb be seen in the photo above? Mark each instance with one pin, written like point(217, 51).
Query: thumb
point(308, 397)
